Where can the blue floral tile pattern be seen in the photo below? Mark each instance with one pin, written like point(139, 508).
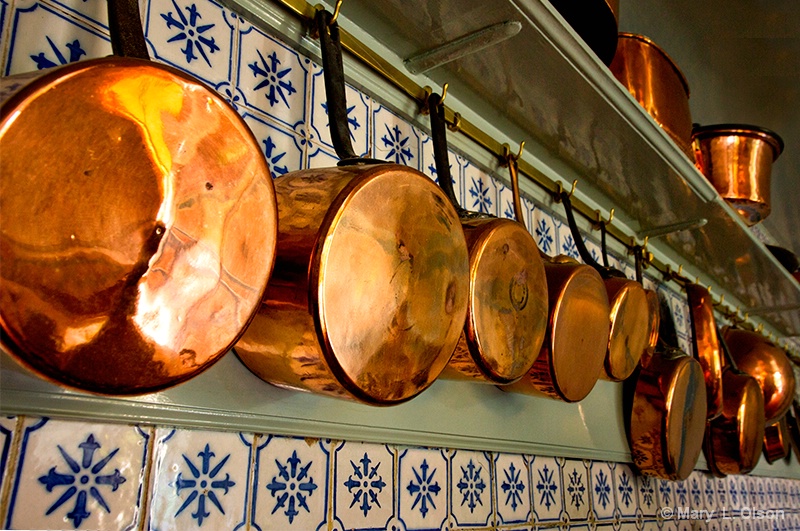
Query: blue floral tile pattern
point(428, 167)
point(481, 190)
point(647, 495)
point(576, 489)
point(7, 426)
point(602, 491)
point(363, 485)
point(199, 479)
point(625, 490)
point(544, 231)
point(358, 114)
point(709, 485)
point(394, 139)
point(282, 150)
point(471, 488)
point(77, 475)
point(422, 488)
point(513, 487)
point(547, 489)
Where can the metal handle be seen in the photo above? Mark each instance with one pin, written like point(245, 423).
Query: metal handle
point(125, 25)
point(440, 156)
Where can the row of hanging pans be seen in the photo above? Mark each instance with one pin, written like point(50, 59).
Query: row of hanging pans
point(142, 237)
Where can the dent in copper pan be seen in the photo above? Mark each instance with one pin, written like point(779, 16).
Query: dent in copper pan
point(776, 441)
point(706, 345)
point(571, 359)
point(769, 365)
point(369, 293)
point(507, 312)
point(137, 226)
point(733, 441)
point(630, 328)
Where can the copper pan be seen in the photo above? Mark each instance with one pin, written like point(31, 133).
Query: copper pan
point(654, 320)
point(507, 311)
point(371, 282)
point(768, 364)
point(706, 345)
point(777, 441)
point(656, 82)
point(737, 159)
point(595, 21)
point(132, 258)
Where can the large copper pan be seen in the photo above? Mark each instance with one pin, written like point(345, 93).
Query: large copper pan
point(137, 222)
point(507, 311)
point(706, 345)
point(737, 159)
point(595, 21)
point(371, 281)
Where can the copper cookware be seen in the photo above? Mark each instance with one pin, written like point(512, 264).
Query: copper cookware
point(777, 441)
point(706, 345)
point(668, 410)
point(794, 429)
point(733, 441)
point(768, 364)
point(133, 257)
point(654, 320)
point(507, 311)
point(369, 293)
point(737, 159)
point(595, 21)
point(656, 82)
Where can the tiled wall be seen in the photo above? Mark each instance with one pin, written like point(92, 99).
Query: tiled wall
point(65, 475)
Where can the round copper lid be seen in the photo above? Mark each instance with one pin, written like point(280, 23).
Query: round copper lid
point(137, 230)
point(507, 317)
point(685, 418)
point(630, 327)
point(389, 280)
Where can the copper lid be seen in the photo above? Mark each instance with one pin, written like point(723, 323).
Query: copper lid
point(137, 226)
point(630, 327)
point(685, 418)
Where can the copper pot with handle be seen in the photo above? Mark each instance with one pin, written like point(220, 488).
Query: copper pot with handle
point(507, 311)
point(371, 282)
point(133, 258)
point(777, 440)
point(706, 345)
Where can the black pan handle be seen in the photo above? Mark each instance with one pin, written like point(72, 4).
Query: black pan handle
point(440, 156)
point(125, 26)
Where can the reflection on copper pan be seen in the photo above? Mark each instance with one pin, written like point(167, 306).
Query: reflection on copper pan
point(706, 345)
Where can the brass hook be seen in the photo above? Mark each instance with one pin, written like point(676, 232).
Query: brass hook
point(427, 92)
point(456, 126)
point(336, 9)
point(509, 157)
point(599, 217)
point(444, 93)
point(560, 190)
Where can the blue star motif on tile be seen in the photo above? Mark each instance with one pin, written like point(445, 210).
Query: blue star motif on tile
point(547, 487)
point(435, 174)
point(292, 487)
point(733, 492)
point(203, 484)
point(681, 494)
point(189, 32)
point(424, 489)
point(602, 488)
point(513, 487)
point(576, 489)
point(471, 486)
point(365, 484)
point(709, 488)
point(85, 473)
point(274, 157)
point(543, 237)
point(664, 489)
point(75, 53)
point(352, 120)
point(696, 492)
point(569, 248)
point(508, 211)
point(480, 194)
point(647, 491)
point(273, 80)
point(396, 142)
point(625, 488)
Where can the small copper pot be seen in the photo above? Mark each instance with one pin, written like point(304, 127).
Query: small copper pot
point(737, 159)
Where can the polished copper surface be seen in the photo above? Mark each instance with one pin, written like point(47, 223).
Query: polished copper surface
point(137, 226)
point(369, 293)
point(656, 82)
point(654, 321)
point(776, 441)
point(595, 21)
point(737, 159)
point(668, 416)
point(507, 312)
point(630, 328)
point(768, 364)
point(733, 441)
point(706, 345)
point(574, 348)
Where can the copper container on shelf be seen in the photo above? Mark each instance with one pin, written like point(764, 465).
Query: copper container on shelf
point(656, 82)
point(595, 21)
point(737, 160)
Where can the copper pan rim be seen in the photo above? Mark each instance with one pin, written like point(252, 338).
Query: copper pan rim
point(742, 130)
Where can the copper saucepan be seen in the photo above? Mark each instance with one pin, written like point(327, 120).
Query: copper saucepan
point(370, 288)
point(777, 440)
point(507, 311)
point(132, 258)
point(706, 345)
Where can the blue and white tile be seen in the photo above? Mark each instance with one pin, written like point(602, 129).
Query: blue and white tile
point(665, 494)
point(735, 495)
point(648, 501)
point(505, 199)
point(7, 426)
point(696, 484)
point(721, 490)
point(94, 12)
point(760, 489)
point(681, 495)
point(283, 150)
point(428, 167)
point(770, 486)
point(358, 114)
point(577, 497)
point(566, 243)
point(669, 525)
point(709, 486)
point(481, 190)
point(394, 139)
point(544, 231)
point(625, 490)
point(199, 477)
point(320, 157)
point(602, 490)
point(64, 41)
point(363, 486)
point(594, 249)
point(290, 483)
point(471, 489)
point(422, 488)
point(513, 487)
point(547, 489)
point(195, 36)
point(272, 77)
point(76, 475)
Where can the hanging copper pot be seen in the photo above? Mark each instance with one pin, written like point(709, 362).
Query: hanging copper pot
point(706, 345)
point(507, 311)
point(737, 159)
point(777, 441)
point(370, 288)
point(654, 320)
point(133, 257)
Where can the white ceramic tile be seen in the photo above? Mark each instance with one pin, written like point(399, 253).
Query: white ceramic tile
point(544, 231)
point(513, 487)
point(681, 496)
point(272, 77)
point(94, 12)
point(648, 501)
point(547, 489)
point(64, 41)
point(470, 489)
point(358, 114)
point(75, 475)
point(290, 485)
point(422, 488)
point(193, 35)
point(566, 243)
point(7, 426)
point(695, 486)
point(363, 486)
point(737, 492)
point(428, 166)
point(710, 499)
point(665, 494)
point(625, 490)
point(577, 497)
point(761, 493)
point(769, 488)
point(721, 492)
point(481, 190)
point(505, 199)
point(320, 157)
point(602, 491)
point(199, 477)
point(283, 150)
point(394, 139)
